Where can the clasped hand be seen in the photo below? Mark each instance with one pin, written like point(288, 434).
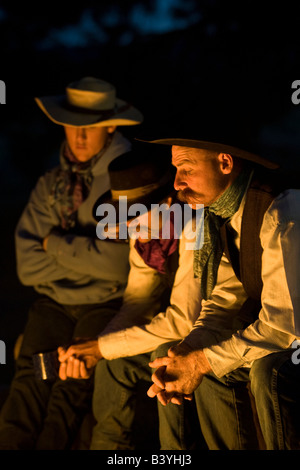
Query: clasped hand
point(79, 360)
point(178, 374)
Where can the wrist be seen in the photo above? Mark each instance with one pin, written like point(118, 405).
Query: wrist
point(204, 364)
point(100, 355)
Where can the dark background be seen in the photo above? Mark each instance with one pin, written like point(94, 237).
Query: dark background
point(170, 58)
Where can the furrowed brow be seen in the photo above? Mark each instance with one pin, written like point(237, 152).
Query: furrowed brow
point(185, 161)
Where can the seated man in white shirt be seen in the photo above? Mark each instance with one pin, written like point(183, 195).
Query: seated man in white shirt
point(122, 352)
point(249, 264)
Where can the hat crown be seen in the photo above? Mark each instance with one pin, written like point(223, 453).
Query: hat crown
point(141, 176)
point(89, 102)
point(135, 169)
point(91, 93)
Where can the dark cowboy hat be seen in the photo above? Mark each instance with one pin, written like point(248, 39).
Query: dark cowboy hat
point(224, 130)
point(143, 176)
point(217, 147)
point(89, 102)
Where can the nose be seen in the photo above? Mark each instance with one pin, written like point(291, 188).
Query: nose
point(81, 134)
point(179, 182)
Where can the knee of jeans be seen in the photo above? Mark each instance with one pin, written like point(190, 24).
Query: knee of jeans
point(162, 350)
point(114, 368)
point(126, 371)
point(263, 370)
point(261, 373)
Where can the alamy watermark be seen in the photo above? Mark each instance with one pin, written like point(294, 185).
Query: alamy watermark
point(296, 94)
point(296, 354)
point(138, 221)
point(2, 352)
point(2, 92)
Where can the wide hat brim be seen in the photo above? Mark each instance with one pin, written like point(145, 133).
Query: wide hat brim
point(216, 147)
point(155, 197)
point(61, 112)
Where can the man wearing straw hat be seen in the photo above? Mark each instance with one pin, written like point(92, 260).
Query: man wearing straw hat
point(80, 278)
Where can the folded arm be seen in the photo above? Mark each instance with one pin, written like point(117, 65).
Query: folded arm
point(45, 253)
point(34, 264)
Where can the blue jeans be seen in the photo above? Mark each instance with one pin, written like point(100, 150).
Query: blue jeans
point(42, 415)
point(224, 406)
point(275, 384)
point(115, 403)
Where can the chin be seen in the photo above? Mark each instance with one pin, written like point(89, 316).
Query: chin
point(83, 158)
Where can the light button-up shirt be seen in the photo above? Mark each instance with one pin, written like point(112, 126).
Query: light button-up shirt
point(278, 323)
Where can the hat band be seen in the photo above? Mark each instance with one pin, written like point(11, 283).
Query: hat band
point(135, 192)
point(102, 114)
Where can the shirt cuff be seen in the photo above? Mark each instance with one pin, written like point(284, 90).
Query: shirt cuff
point(107, 345)
point(223, 360)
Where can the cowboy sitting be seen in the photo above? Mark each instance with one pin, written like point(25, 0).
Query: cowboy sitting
point(80, 278)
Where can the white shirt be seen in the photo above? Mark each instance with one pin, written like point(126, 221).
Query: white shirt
point(278, 324)
point(141, 303)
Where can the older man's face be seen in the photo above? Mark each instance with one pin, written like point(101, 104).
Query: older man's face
point(85, 142)
point(199, 177)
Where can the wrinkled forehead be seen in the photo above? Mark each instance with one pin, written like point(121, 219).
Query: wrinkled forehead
point(190, 155)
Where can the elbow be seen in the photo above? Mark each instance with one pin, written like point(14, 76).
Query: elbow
point(24, 278)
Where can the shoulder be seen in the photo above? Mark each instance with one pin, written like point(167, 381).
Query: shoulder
point(120, 143)
point(285, 207)
point(45, 181)
point(282, 219)
point(275, 195)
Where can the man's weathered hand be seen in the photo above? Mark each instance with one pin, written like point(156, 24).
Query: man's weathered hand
point(178, 375)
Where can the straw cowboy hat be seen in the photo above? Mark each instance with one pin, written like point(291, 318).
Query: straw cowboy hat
point(89, 102)
point(142, 175)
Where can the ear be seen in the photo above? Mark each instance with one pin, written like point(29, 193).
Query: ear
point(226, 163)
point(111, 129)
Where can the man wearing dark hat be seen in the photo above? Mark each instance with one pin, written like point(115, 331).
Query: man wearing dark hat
point(80, 278)
point(149, 317)
point(248, 268)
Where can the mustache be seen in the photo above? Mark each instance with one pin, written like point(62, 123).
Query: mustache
point(186, 193)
